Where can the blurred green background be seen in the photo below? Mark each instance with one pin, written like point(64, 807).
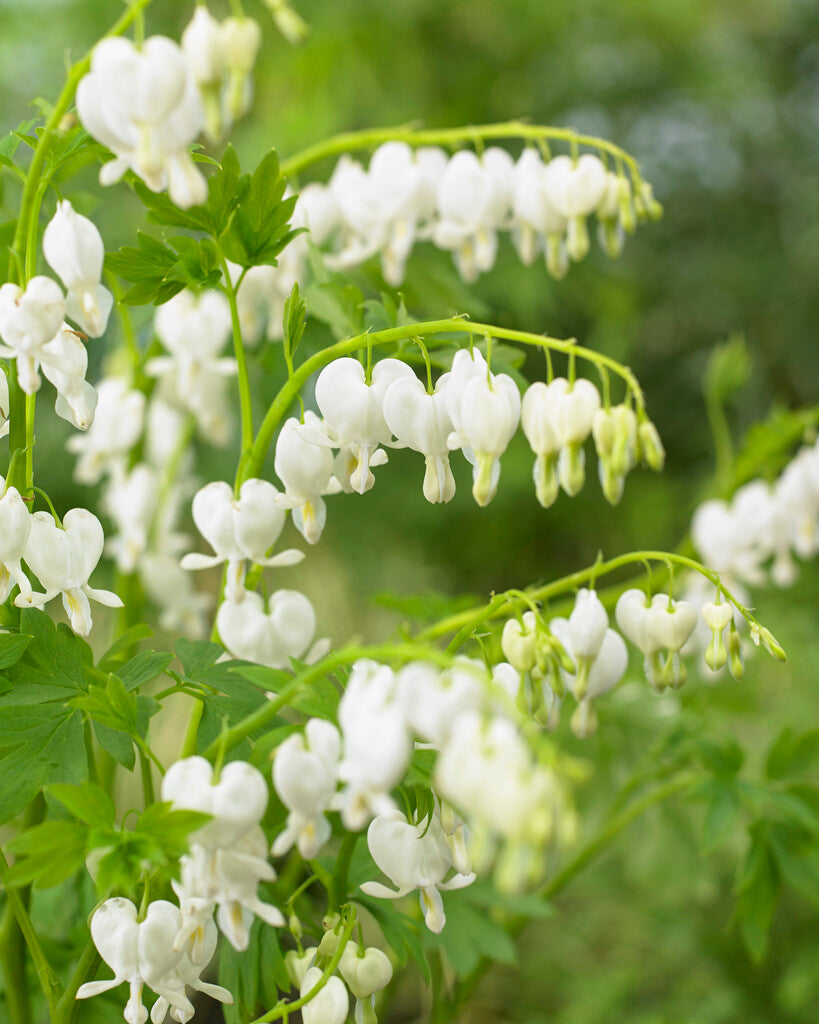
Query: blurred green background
point(719, 101)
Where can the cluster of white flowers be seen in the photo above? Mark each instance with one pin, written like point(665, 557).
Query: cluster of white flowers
point(463, 202)
point(221, 57)
point(148, 103)
point(764, 525)
point(32, 320)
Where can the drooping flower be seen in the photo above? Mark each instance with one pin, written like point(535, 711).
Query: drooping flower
point(64, 363)
point(413, 857)
point(268, 636)
point(143, 104)
point(15, 527)
point(28, 321)
point(306, 470)
point(421, 422)
point(432, 700)
point(74, 250)
point(63, 560)
point(305, 770)
point(239, 530)
point(138, 952)
point(117, 426)
point(330, 1005)
point(575, 189)
point(187, 974)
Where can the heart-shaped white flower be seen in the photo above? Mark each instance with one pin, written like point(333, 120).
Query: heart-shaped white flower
point(270, 637)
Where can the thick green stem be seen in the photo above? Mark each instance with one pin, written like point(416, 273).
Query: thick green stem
point(48, 980)
point(287, 395)
point(264, 715)
point(13, 965)
point(84, 971)
point(245, 403)
point(369, 138)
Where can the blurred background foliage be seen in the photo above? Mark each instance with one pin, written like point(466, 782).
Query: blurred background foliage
point(719, 101)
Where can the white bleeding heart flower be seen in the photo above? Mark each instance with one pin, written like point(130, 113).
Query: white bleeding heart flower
point(117, 426)
point(413, 857)
point(366, 971)
point(305, 771)
point(130, 501)
point(631, 613)
point(63, 560)
point(139, 953)
point(671, 622)
point(354, 412)
point(203, 47)
point(74, 250)
point(421, 422)
point(194, 329)
point(377, 746)
point(15, 527)
point(28, 321)
point(64, 362)
point(473, 200)
point(241, 39)
point(236, 802)
point(485, 412)
point(536, 421)
point(330, 1005)
point(536, 221)
point(182, 609)
point(239, 530)
point(144, 105)
point(432, 700)
point(186, 974)
point(306, 470)
point(603, 672)
point(575, 189)
point(4, 404)
point(226, 878)
point(572, 407)
point(268, 637)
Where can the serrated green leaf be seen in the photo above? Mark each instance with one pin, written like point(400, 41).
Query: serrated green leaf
point(48, 853)
point(131, 636)
point(293, 321)
point(143, 667)
point(792, 753)
point(758, 891)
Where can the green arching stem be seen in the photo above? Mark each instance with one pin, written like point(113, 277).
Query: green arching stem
point(283, 400)
point(262, 716)
point(28, 205)
point(30, 407)
point(285, 1009)
point(48, 979)
point(84, 971)
point(369, 138)
point(467, 621)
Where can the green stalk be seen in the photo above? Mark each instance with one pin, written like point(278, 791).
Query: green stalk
point(337, 895)
point(84, 971)
point(287, 395)
point(369, 138)
point(245, 402)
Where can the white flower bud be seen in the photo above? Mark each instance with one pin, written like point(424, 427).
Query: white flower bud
point(519, 642)
point(15, 527)
point(330, 1006)
point(670, 622)
point(365, 972)
point(202, 43)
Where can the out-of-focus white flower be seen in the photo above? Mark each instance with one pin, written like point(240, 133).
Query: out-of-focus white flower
point(241, 40)
point(131, 502)
point(432, 700)
point(143, 104)
point(63, 560)
point(239, 530)
point(181, 608)
point(139, 953)
point(28, 321)
point(4, 404)
point(304, 776)
point(186, 974)
point(268, 637)
point(306, 470)
point(656, 625)
point(575, 189)
point(330, 1006)
point(74, 250)
point(377, 747)
point(537, 223)
point(413, 857)
point(236, 802)
point(117, 426)
point(473, 201)
point(194, 330)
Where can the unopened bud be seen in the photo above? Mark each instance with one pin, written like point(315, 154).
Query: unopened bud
point(547, 484)
point(571, 468)
point(557, 259)
point(651, 446)
point(735, 663)
point(577, 238)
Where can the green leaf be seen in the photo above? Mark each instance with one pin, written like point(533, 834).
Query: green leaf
point(109, 661)
point(89, 802)
point(471, 934)
point(259, 228)
point(722, 812)
point(758, 889)
point(12, 647)
point(48, 853)
point(226, 189)
point(792, 753)
point(111, 705)
point(338, 305)
point(293, 321)
point(798, 864)
point(143, 667)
